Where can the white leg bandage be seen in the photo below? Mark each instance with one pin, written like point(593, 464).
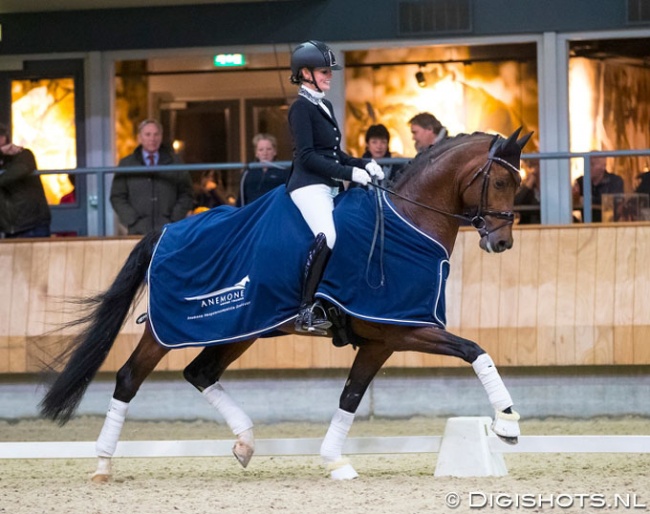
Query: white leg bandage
point(235, 417)
point(494, 387)
point(108, 437)
point(332, 446)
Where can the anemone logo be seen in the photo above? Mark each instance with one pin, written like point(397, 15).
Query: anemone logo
point(224, 296)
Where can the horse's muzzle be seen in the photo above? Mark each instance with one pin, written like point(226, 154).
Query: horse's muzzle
point(495, 242)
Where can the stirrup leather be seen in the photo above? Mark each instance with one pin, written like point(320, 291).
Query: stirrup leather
point(313, 320)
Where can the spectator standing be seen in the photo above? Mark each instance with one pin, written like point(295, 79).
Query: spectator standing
point(256, 182)
point(528, 194)
point(319, 167)
point(377, 144)
point(24, 211)
point(426, 130)
point(146, 201)
point(602, 183)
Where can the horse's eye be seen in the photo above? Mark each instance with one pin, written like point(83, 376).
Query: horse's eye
point(500, 184)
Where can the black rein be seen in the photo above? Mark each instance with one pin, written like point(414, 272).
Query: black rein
point(476, 220)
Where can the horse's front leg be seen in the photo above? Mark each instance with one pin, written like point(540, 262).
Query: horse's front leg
point(369, 360)
point(129, 378)
point(204, 373)
point(438, 341)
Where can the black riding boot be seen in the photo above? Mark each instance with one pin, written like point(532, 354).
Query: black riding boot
point(312, 317)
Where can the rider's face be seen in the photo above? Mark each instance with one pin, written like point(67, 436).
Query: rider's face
point(322, 77)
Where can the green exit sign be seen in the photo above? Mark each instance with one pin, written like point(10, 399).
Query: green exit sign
point(222, 60)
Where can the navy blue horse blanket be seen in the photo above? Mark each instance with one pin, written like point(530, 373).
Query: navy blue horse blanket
point(231, 274)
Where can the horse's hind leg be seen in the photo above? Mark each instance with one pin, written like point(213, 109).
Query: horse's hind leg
point(204, 373)
point(367, 363)
point(129, 378)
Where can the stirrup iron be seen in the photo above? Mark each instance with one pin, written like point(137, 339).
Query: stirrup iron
point(313, 320)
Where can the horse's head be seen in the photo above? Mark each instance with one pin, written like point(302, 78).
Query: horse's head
point(471, 178)
point(488, 194)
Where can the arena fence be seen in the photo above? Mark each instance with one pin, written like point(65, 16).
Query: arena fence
point(311, 446)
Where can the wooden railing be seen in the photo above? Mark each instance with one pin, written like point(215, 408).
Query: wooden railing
point(567, 295)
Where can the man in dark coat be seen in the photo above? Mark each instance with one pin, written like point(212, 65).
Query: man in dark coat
point(602, 183)
point(146, 201)
point(24, 211)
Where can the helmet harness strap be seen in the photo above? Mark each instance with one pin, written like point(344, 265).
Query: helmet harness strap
point(313, 79)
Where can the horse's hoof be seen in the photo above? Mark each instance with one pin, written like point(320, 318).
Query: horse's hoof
point(506, 426)
point(102, 474)
point(342, 470)
point(509, 440)
point(243, 453)
point(100, 478)
point(244, 447)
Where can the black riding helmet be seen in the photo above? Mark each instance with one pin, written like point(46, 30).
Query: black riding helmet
point(311, 54)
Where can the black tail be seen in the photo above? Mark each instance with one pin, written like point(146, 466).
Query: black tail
point(88, 350)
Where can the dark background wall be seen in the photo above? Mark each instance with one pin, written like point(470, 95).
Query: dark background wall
point(296, 20)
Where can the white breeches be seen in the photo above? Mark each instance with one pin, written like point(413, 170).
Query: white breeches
point(316, 203)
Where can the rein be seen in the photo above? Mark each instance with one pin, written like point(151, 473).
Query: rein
point(478, 219)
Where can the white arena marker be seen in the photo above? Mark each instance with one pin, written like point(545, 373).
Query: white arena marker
point(465, 450)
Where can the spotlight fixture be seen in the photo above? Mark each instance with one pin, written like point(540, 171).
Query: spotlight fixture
point(420, 78)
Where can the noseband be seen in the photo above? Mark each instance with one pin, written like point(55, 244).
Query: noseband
point(477, 219)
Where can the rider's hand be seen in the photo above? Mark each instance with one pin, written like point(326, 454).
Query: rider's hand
point(360, 176)
point(375, 170)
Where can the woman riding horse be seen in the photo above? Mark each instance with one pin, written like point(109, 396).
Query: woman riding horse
point(469, 179)
point(319, 167)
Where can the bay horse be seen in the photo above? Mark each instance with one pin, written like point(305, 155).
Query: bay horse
point(469, 179)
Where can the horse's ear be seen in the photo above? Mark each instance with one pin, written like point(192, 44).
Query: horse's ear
point(509, 149)
point(513, 137)
point(506, 147)
point(522, 142)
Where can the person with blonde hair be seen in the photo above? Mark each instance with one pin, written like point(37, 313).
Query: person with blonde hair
point(257, 181)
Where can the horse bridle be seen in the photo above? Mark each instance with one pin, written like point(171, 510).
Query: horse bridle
point(476, 220)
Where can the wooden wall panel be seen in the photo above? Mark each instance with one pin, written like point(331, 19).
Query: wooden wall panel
point(6, 263)
point(641, 310)
point(565, 307)
point(574, 295)
point(585, 298)
point(547, 297)
point(508, 302)
point(624, 295)
point(528, 278)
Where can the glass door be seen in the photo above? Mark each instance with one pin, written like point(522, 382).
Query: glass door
point(46, 116)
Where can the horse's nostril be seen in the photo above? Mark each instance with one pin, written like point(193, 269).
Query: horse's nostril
point(503, 245)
